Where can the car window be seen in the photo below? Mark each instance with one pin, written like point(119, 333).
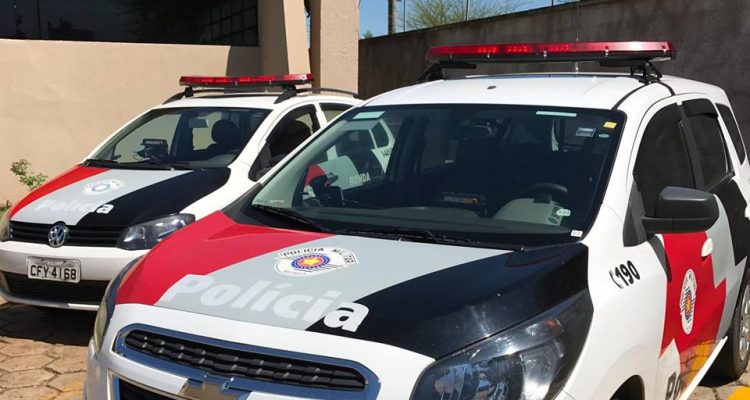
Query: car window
point(356, 161)
point(439, 148)
point(662, 158)
point(194, 137)
point(355, 141)
point(202, 129)
point(155, 135)
point(380, 135)
point(293, 129)
point(332, 110)
point(205, 131)
point(508, 174)
point(734, 131)
point(712, 156)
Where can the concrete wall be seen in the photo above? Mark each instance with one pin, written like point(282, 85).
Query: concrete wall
point(283, 36)
point(334, 32)
point(712, 39)
point(59, 99)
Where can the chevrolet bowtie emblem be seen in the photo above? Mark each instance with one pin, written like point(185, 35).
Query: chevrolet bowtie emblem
point(212, 388)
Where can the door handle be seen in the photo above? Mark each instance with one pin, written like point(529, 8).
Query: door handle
point(708, 248)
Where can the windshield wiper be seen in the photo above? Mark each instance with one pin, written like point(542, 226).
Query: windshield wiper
point(408, 234)
point(99, 162)
point(290, 214)
point(148, 164)
point(426, 236)
point(157, 164)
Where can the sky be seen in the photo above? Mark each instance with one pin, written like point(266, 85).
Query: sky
point(373, 14)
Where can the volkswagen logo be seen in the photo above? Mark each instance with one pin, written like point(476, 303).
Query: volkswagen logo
point(58, 234)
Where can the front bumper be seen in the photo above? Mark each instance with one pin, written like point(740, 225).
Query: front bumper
point(395, 370)
point(98, 266)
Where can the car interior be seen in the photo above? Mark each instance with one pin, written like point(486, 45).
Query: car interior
point(516, 166)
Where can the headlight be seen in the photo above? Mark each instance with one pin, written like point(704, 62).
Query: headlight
point(529, 362)
point(146, 235)
point(107, 306)
point(5, 226)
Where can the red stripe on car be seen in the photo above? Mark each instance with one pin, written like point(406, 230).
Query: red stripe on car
point(213, 243)
point(69, 177)
point(694, 301)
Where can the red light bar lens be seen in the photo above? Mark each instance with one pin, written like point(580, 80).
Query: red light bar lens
point(261, 80)
point(531, 52)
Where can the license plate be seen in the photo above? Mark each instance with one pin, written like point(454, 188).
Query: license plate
point(51, 269)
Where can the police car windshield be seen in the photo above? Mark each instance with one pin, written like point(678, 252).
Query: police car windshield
point(481, 174)
point(192, 138)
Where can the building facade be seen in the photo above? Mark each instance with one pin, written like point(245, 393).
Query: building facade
point(73, 71)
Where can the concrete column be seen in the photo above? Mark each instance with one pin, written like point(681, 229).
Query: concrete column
point(282, 37)
point(334, 43)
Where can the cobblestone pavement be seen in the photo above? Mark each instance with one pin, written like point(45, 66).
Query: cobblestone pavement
point(43, 357)
point(42, 352)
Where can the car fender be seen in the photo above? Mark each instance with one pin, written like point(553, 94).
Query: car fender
point(627, 325)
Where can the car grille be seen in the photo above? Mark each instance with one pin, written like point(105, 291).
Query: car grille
point(59, 292)
point(77, 236)
point(128, 391)
point(244, 364)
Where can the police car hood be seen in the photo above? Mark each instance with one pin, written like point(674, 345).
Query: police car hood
point(99, 197)
point(428, 298)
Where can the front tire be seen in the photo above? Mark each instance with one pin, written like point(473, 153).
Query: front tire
point(733, 358)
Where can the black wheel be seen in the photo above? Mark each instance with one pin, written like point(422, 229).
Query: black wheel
point(733, 358)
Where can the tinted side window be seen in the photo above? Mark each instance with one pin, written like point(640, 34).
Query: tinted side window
point(332, 110)
point(292, 130)
point(709, 140)
point(734, 130)
point(662, 158)
point(381, 137)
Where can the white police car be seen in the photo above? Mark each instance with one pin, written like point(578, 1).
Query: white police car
point(192, 155)
point(544, 236)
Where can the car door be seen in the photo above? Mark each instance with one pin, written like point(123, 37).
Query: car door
point(736, 193)
point(715, 174)
point(691, 321)
point(289, 132)
point(732, 128)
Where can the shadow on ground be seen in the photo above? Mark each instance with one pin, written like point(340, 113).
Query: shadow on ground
point(47, 325)
point(712, 381)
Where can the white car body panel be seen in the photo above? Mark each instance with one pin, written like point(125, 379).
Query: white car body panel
point(626, 335)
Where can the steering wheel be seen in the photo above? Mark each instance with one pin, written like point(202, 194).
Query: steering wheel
point(548, 188)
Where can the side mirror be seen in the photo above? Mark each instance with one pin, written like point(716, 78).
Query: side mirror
point(682, 210)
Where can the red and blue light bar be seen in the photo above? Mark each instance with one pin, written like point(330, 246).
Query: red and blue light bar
point(554, 52)
point(246, 81)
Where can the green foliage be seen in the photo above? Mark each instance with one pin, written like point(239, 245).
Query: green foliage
point(4, 207)
point(31, 180)
point(428, 13)
point(367, 35)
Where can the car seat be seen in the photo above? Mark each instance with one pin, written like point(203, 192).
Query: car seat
point(291, 135)
point(226, 137)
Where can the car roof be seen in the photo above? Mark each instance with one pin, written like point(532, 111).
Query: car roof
point(578, 90)
point(254, 100)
